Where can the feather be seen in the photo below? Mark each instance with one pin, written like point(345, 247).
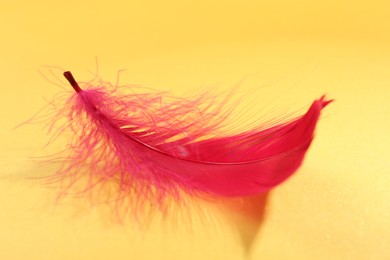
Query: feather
point(154, 148)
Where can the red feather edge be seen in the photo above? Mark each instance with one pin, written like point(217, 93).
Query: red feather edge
point(155, 150)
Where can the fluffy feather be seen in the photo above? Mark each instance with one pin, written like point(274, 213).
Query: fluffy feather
point(155, 148)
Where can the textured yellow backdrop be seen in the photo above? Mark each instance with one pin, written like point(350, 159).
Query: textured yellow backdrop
point(335, 207)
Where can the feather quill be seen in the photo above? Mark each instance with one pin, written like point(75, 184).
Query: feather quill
point(155, 149)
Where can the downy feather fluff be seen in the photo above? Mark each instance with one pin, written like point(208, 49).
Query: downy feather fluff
point(153, 148)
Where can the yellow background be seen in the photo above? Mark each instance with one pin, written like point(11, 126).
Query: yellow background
point(291, 52)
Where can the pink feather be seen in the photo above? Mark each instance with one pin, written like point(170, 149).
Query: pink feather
point(155, 148)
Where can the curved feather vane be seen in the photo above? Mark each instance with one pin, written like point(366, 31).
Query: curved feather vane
point(156, 148)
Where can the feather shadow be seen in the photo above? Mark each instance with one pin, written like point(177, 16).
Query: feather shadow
point(247, 215)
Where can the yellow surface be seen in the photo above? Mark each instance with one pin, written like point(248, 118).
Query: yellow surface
point(336, 206)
